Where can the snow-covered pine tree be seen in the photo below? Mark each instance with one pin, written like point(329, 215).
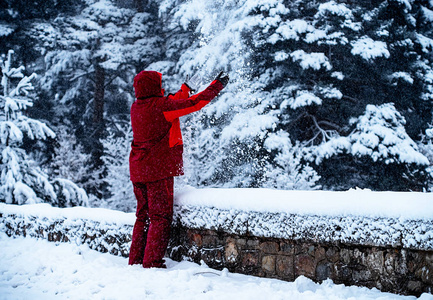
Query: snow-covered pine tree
point(307, 69)
point(380, 139)
point(22, 181)
point(324, 62)
point(97, 54)
point(226, 140)
point(116, 160)
point(69, 160)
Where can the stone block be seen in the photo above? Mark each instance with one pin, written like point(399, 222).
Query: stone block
point(210, 241)
point(241, 242)
point(268, 264)
point(345, 255)
point(250, 263)
point(250, 258)
point(375, 261)
point(212, 257)
point(323, 271)
point(197, 239)
point(390, 262)
point(414, 287)
point(425, 273)
point(342, 273)
point(319, 254)
point(304, 265)
point(287, 248)
point(333, 255)
point(231, 251)
point(269, 247)
point(285, 267)
point(362, 276)
point(304, 248)
point(429, 259)
point(253, 243)
point(401, 267)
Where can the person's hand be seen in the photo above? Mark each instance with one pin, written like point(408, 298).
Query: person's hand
point(194, 82)
point(223, 78)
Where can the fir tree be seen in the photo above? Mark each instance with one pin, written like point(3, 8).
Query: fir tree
point(116, 160)
point(97, 58)
point(69, 160)
point(22, 181)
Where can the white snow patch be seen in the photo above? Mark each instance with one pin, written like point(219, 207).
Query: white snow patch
point(369, 49)
point(6, 29)
point(314, 60)
point(304, 98)
point(426, 42)
point(403, 76)
point(281, 56)
point(428, 14)
point(334, 8)
point(338, 75)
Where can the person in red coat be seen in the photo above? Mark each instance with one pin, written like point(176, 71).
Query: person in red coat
point(156, 157)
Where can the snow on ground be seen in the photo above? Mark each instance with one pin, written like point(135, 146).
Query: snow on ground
point(37, 269)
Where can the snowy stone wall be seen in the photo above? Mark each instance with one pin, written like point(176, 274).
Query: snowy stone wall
point(392, 254)
point(103, 230)
point(352, 230)
point(389, 253)
point(393, 269)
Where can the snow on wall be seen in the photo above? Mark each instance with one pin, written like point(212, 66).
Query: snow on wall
point(355, 230)
point(352, 217)
point(102, 229)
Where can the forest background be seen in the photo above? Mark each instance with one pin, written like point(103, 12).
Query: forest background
point(326, 95)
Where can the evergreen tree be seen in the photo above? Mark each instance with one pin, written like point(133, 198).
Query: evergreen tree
point(69, 160)
point(116, 160)
point(22, 181)
point(309, 69)
point(97, 53)
point(91, 69)
point(227, 140)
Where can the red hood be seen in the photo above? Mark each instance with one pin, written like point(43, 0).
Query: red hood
point(148, 84)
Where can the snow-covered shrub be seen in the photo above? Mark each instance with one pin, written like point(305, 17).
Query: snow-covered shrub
point(380, 134)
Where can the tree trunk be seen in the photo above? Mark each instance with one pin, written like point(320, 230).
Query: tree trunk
point(98, 113)
point(98, 104)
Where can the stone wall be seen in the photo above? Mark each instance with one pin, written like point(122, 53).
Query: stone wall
point(396, 270)
point(391, 255)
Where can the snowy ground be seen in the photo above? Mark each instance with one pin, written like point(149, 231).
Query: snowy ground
point(37, 269)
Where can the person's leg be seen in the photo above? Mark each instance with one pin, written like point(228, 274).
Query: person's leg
point(139, 233)
point(160, 199)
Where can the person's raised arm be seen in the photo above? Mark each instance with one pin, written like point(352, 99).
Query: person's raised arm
point(176, 108)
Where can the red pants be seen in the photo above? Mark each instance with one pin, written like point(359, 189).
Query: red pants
point(152, 226)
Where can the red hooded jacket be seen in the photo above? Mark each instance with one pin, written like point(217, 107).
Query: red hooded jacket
point(157, 145)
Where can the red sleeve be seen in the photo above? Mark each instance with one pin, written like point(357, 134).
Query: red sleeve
point(183, 93)
point(176, 108)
